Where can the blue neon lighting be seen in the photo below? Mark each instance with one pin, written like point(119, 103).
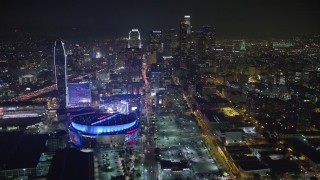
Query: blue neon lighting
point(96, 130)
point(132, 136)
point(103, 120)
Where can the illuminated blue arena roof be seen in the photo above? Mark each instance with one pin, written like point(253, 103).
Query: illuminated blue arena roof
point(104, 119)
point(105, 124)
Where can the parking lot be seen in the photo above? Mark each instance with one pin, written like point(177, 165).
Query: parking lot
point(178, 137)
point(117, 162)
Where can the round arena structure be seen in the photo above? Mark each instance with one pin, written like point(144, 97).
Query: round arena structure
point(105, 126)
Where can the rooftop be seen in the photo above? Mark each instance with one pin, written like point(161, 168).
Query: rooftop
point(71, 164)
point(303, 148)
point(252, 164)
point(174, 166)
point(21, 151)
point(104, 119)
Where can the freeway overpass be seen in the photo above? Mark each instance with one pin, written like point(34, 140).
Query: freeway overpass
point(32, 94)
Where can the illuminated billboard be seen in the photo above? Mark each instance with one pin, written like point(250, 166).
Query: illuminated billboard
point(78, 94)
point(75, 138)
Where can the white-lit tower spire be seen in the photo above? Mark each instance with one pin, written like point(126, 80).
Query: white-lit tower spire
point(60, 63)
point(134, 39)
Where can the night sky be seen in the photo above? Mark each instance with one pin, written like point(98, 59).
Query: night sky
point(232, 18)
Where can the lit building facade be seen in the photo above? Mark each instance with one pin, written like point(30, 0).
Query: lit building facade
point(300, 111)
point(188, 23)
point(103, 128)
point(155, 43)
point(156, 80)
point(123, 104)
point(60, 63)
point(170, 41)
point(209, 33)
point(78, 94)
point(131, 74)
point(26, 79)
point(116, 122)
point(134, 39)
point(184, 41)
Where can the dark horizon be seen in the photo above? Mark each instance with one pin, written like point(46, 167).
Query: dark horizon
point(246, 19)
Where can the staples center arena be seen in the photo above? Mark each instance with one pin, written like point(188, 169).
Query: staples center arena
point(116, 122)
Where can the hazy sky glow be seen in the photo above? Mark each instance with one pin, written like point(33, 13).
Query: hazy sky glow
point(246, 18)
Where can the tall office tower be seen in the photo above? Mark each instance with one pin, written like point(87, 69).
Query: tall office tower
point(60, 63)
point(156, 79)
point(131, 75)
point(209, 33)
point(198, 38)
point(170, 41)
point(299, 111)
point(155, 41)
point(134, 39)
point(133, 64)
point(187, 21)
point(184, 42)
point(167, 68)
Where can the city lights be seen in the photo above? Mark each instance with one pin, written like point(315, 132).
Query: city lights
point(159, 90)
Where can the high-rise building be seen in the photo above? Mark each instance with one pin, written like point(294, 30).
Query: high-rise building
point(156, 78)
point(187, 21)
point(133, 64)
point(209, 33)
point(170, 41)
point(167, 68)
point(155, 42)
point(60, 63)
point(184, 41)
point(299, 111)
point(196, 48)
point(131, 58)
point(198, 40)
point(134, 39)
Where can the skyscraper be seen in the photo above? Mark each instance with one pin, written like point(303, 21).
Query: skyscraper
point(134, 39)
point(155, 42)
point(60, 63)
point(170, 41)
point(132, 62)
point(209, 33)
point(184, 41)
point(299, 112)
point(187, 21)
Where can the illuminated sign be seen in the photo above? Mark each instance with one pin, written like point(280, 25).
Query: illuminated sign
point(132, 131)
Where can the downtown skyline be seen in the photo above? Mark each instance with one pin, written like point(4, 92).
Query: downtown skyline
point(245, 19)
point(150, 89)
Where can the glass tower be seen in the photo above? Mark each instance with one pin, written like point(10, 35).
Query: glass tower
point(184, 41)
point(60, 72)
